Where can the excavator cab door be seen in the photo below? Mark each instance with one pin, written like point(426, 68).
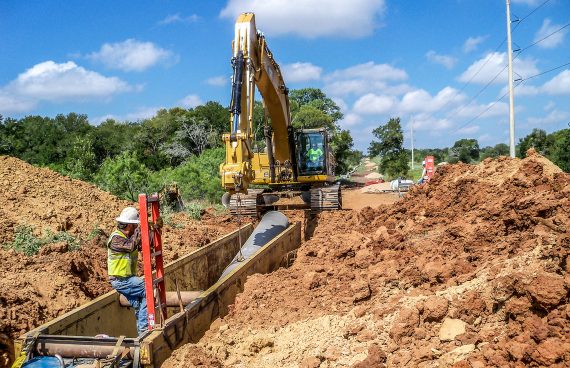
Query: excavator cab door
point(312, 149)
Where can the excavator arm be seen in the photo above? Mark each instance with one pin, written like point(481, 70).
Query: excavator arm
point(254, 66)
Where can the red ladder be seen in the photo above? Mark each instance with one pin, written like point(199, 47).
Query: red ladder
point(152, 249)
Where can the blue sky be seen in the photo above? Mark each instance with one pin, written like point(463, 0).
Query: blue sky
point(436, 64)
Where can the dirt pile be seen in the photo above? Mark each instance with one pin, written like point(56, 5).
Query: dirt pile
point(42, 198)
point(470, 270)
point(38, 288)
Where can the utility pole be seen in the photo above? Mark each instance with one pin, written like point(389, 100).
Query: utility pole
point(412, 130)
point(511, 92)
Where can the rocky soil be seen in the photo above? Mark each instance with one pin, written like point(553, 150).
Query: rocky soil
point(470, 270)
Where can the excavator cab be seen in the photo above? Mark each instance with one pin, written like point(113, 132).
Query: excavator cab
point(313, 152)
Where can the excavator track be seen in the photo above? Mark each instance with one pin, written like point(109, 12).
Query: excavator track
point(326, 198)
point(247, 204)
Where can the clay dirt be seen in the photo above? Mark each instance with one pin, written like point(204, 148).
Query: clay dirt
point(38, 288)
point(468, 270)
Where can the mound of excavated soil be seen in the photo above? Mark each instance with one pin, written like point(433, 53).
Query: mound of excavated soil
point(374, 175)
point(42, 198)
point(470, 270)
point(38, 288)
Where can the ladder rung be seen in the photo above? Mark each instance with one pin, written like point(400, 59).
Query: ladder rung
point(152, 199)
point(158, 280)
point(156, 253)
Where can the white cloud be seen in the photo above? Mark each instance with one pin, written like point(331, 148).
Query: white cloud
point(370, 71)
point(340, 103)
point(559, 85)
point(553, 117)
point(484, 70)
point(427, 122)
point(141, 113)
point(472, 110)
point(421, 101)
point(523, 90)
point(191, 101)
point(350, 120)
point(472, 43)
point(131, 55)
point(486, 138)
point(469, 129)
point(311, 19)
point(218, 81)
point(14, 104)
point(56, 82)
point(546, 30)
point(447, 61)
point(301, 72)
point(365, 78)
point(526, 2)
point(372, 104)
point(177, 18)
point(549, 106)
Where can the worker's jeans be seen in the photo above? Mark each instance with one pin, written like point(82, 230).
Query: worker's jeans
point(133, 289)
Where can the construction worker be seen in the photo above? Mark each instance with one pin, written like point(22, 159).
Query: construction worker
point(122, 264)
point(315, 156)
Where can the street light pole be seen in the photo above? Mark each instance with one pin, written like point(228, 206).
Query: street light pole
point(412, 130)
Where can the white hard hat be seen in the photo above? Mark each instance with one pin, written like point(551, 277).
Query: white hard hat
point(129, 215)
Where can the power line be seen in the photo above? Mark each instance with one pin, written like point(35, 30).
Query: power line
point(506, 93)
point(544, 38)
point(519, 21)
point(547, 71)
point(505, 67)
point(484, 111)
point(487, 61)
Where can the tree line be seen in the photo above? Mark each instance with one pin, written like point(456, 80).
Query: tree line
point(395, 159)
point(176, 145)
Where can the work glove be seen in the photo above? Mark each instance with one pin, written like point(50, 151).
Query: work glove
point(159, 223)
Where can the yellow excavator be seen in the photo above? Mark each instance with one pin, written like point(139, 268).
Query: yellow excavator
point(293, 162)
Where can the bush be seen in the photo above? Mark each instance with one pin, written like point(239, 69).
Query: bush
point(198, 178)
point(124, 176)
point(26, 242)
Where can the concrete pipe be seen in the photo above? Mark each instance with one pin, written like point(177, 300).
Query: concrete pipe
point(272, 224)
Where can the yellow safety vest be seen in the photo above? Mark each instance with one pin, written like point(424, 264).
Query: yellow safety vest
point(315, 154)
point(119, 263)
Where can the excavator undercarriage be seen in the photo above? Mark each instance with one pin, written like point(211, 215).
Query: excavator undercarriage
point(258, 201)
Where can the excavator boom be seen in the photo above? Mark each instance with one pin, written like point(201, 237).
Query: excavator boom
point(292, 160)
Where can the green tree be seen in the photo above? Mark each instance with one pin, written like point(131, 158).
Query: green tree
point(342, 144)
point(81, 161)
point(560, 149)
point(391, 138)
point(500, 149)
point(311, 108)
point(197, 178)
point(214, 116)
point(309, 117)
point(111, 138)
point(314, 98)
point(124, 175)
point(537, 139)
point(464, 150)
point(153, 135)
point(394, 160)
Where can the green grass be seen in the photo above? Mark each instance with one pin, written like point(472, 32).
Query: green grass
point(416, 173)
point(26, 242)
